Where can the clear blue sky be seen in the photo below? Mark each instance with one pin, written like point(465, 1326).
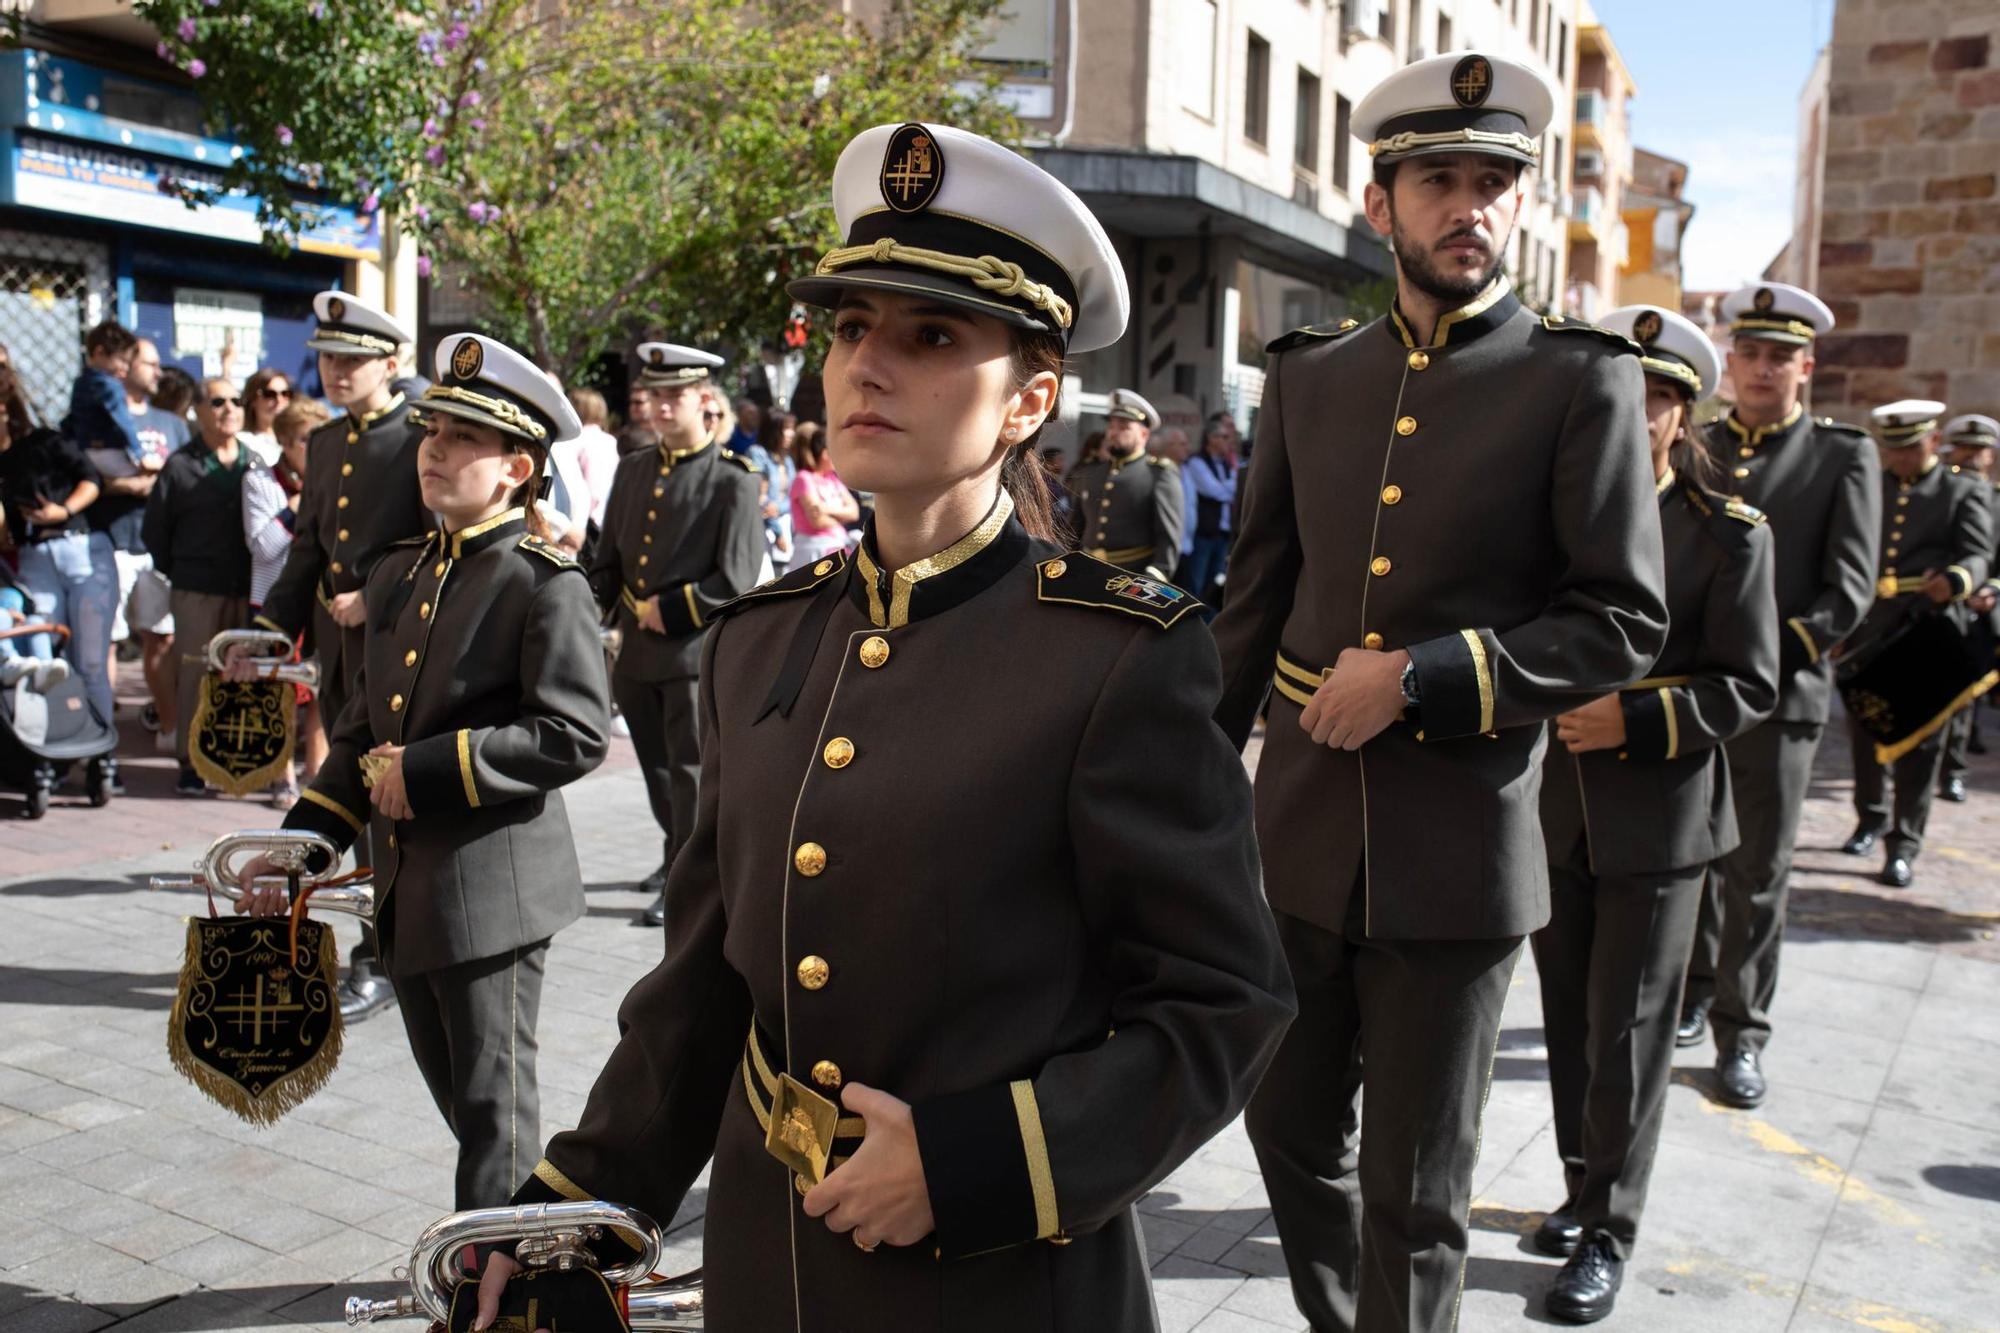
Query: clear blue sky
point(1719, 84)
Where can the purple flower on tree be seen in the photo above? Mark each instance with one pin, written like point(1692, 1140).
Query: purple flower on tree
point(316, 10)
point(163, 51)
point(284, 134)
point(427, 42)
point(431, 129)
point(187, 30)
point(423, 266)
point(470, 99)
point(435, 155)
point(196, 69)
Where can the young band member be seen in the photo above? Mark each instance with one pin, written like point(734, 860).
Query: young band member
point(481, 692)
point(1009, 963)
point(1635, 805)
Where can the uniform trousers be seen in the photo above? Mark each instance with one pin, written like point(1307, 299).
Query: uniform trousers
point(198, 617)
point(1916, 780)
point(1734, 964)
point(472, 1031)
point(1611, 961)
point(1958, 739)
point(338, 652)
point(1372, 1217)
point(666, 737)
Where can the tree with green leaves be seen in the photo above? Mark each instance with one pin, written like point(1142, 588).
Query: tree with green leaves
point(588, 168)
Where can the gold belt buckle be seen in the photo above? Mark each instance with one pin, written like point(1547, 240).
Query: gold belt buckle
point(1886, 586)
point(801, 1132)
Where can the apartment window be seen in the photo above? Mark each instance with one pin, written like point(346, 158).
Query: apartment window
point(1514, 12)
point(1197, 56)
point(1343, 139)
point(1305, 133)
point(1534, 22)
point(1257, 90)
point(1562, 49)
point(1444, 32)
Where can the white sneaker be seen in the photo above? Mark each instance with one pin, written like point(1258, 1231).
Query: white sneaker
point(52, 672)
point(14, 670)
point(620, 727)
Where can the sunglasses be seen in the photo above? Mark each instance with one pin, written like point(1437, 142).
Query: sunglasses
point(219, 403)
point(269, 392)
point(711, 416)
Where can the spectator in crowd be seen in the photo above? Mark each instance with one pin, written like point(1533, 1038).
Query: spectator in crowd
point(822, 506)
point(142, 609)
point(1062, 504)
point(1090, 450)
point(176, 394)
point(773, 453)
point(25, 657)
point(597, 448)
point(66, 571)
point(1171, 443)
point(565, 508)
point(749, 425)
point(194, 528)
point(270, 511)
point(1211, 488)
point(639, 432)
point(98, 419)
point(263, 398)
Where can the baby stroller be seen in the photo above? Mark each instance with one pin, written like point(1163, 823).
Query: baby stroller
point(42, 734)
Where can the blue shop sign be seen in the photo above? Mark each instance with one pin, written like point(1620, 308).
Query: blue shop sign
point(82, 141)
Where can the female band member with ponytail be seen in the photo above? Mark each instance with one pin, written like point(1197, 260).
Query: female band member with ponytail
point(1635, 804)
point(1009, 964)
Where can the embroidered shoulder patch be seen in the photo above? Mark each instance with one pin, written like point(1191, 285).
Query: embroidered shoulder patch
point(746, 463)
point(1564, 324)
point(1745, 513)
point(803, 579)
point(549, 551)
point(1076, 579)
point(1311, 333)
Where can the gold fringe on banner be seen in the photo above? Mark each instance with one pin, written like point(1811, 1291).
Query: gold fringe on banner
point(200, 999)
point(242, 735)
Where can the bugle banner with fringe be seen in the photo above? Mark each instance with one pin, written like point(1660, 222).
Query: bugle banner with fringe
point(256, 1024)
point(578, 1299)
point(241, 738)
point(1904, 686)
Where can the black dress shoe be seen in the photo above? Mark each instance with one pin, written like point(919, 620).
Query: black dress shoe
point(1693, 1026)
point(1953, 790)
point(363, 994)
point(656, 915)
point(1559, 1233)
point(1587, 1287)
point(1899, 872)
point(1862, 843)
point(1739, 1079)
point(655, 882)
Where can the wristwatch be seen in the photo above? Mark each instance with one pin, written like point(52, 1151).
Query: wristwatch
point(1410, 696)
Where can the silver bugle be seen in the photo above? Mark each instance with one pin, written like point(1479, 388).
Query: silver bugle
point(270, 651)
point(291, 848)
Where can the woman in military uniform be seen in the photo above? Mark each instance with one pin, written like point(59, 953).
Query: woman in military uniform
point(1635, 805)
point(1009, 965)
point(482, 690)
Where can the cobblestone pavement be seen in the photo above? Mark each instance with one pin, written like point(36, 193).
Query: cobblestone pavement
point(1864, 1194)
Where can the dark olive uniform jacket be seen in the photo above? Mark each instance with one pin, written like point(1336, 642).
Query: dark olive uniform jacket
point(1486, 503)
point(1018, 890)
point(483, 659)
point(1130, 512)
point(1941, 523)
point(360, 494)
point(1662, 802)
point(684, 526)
point(1820, 483)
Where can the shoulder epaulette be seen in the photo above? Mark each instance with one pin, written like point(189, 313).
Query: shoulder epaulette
point(1076, 579)
point(1154, 460)
point(1311, 333)
point(803, 579)
point(743, 461)
point(1828, 423)
point(1745, 513)
point(422, 539)
point(1564, 324)
point(549, 551)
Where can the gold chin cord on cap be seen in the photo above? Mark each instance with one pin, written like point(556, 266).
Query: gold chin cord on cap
point(1409, 139)
point(998, 276)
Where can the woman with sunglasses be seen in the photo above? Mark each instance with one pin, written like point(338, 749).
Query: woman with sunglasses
point(267, 394)
point(194, 530)
point(1009, 965)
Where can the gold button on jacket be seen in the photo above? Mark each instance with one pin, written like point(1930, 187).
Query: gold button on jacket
point(1026, 860)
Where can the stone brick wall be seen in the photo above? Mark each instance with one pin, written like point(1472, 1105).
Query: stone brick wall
point(1909, 249)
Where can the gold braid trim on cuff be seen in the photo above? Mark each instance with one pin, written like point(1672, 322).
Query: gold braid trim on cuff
point(465, 767)
point(1812, 649)
point(547, 1172)
point(988, 273)
point(1484, 670)
point(328, 803)
point(1673, 724)
point(1033, 1143)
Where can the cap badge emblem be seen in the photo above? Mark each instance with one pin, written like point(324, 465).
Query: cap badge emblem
point(466, 359)
point(912, 169)
point(1646, 328)
point(336, 310)
point(1471, 81)
point(1764, 299)
point(659, 356)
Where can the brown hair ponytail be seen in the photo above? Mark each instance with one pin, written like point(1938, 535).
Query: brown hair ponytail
point(1026, 480)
